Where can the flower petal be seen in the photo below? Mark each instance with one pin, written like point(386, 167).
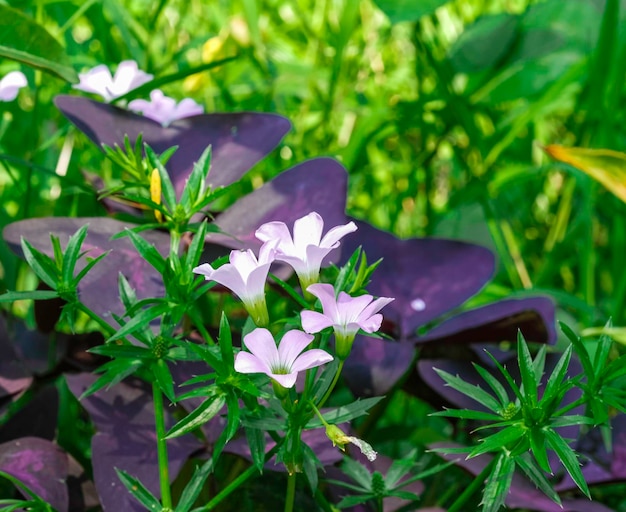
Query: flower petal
point(245, 362)
point(261, 343)
point(307, 231)
point(276, 231)
point(313, 322)
point(337, 233)
point(371, 323)
point(285, 380)
point(205, 269)
point(311, 359)
point(326, 294)
point(291, 345)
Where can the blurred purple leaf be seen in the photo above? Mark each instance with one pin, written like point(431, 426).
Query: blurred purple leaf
point(37, 418)
point(497, 322)
point(238, 140)
point(40, 465)
point(315, 185)
point(14, 376)
point(375, 365)
point(126, 439)
point(426, 276)
point(99, 289)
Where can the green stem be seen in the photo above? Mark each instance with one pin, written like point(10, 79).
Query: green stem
point(469, 491)
point(291, 492)
point(159, 421)
point(110, 330)
point(232, 486)
point(332, 386)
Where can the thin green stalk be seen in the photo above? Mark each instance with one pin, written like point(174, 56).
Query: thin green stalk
point(291, 492)
point(471, 489)
point(232, 486)
point(332, 386)
point(110, 330)
point(159, 421)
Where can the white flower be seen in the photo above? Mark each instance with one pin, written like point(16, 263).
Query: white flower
point(164, 109)
point(98, 80)
point(11, 84)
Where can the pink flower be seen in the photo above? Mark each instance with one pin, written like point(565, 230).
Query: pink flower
point(245, 276)
point(11, 84)
point(345, 314)
point(306, 250)
point(164, 109)
point(283, 363)
point(98, 80)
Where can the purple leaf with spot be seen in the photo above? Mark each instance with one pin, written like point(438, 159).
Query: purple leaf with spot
point(99, 289)
point(426, 276)
point(40, 465)
point(126, 439)
point(238, 140)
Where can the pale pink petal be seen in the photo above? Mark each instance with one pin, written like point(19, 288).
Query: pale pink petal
point(314, 255)
point(311, 359)
point(205, 269)
point(291, 345)
point(333, 236)
point(375, 306)
point(249, 363)
point(127, 77)
point(351, 308)
point(313, 322)
point(255, 284)
point(326, 294)
point(261, 343)
point(276, 231)
point(187, 108)
point(11, 84)
point(97, 80)
point(285, 380)
point(229, 276)
point(267, 252)
point(307, 231)
point(244, 261)
point(371, 323)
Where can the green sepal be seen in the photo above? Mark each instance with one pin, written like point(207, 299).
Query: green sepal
point(138, 490)
point(207, 410)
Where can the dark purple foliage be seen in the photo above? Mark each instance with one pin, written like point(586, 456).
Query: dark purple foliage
point(126, 439)
point(40, 465)
point(14, 376)
point(427, 278)
point(238, 140)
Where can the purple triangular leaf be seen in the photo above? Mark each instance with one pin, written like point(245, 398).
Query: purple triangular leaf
point(99, 289)
point(426, 276)
point(498, 322)
point(40, 465)
point(315, 185)
point(375, 365)
point(238, 140)
point(126, 439)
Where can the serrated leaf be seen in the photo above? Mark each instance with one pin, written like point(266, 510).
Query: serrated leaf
point(72, 252)
point(91, 262)
point(527, 371)
point(497, 441)
point(537, 476)
point(114, 372)
point(346, 412)
point(139, 491)
point(494, 384)
point(194, 486)
point(467, 415)
point(226, 343)
point(553, 386)
point(256, 443)
point(163, 376)
point(358, 472)
point(125, 351)
point(140, 320)
point(41, 264)
point(233, 417)
point(24, 40)
point(498, 483)
point(581, 350)
point(126, 292)
point(309, 466)
point(147, 250)
point(29, 295)
point(474, 392)
point(538, 448)
point(568, 459)
point(207, 410)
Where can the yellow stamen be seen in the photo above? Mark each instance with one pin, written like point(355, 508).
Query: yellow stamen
point(155, 192)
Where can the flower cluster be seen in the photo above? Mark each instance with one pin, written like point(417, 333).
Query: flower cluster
point(245, 276)
point(128, 76)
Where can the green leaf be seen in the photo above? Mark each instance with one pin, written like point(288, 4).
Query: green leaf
point(581, 350)
point(537, 476)
point(126, 292)
point(91, 262)
point(553, 386)
point(195, 184)
point(140, 320)
point(538, 447)
point(115, 371)
point(226, 343)
point(194, 253)
point(256, 443)
point(31, 295)
point(497, 441)
point(527, 371)
point(163, 376)
point(42, 265)
point(346, 271)
point(207, 410)
point(498, 483)
point(346, 412)
point(139, 491)
point(194, 486)
point(408, 10)
point(310, 465)
point(358, 472)
point(467, 415)
point(125, 351)
point(147, 250)
point(24, 40)
point(474, 392)
point(568, 459)
point(494, 384)
point(233, 417)
point(72, 253)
